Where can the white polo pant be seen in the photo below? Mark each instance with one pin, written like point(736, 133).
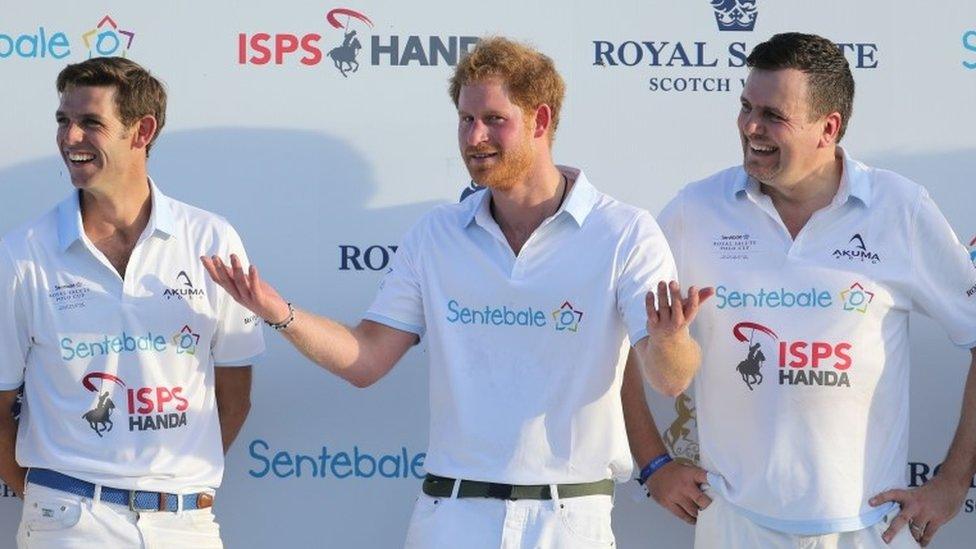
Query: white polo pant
point(721, 526)
point(488, 523)
point(53, 519)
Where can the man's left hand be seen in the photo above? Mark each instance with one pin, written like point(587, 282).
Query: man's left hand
point(924, 509)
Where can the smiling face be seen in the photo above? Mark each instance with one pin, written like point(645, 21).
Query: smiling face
point(95, 145)
point(783, 142)
point(496, 137)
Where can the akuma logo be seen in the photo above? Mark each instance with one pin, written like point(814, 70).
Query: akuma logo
point(263, 48)
point(107, 39)
point(184, 288)
point(149, 408)
point(567, 318)
point(856, 298)
point(735, 15)
point(857, 251)
point(800, 362)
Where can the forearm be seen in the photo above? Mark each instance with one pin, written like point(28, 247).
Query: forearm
point(670, 363)
point(232, 390)
point(329, 344)
point(642, 434)
point(12, 473)
point(960, 463)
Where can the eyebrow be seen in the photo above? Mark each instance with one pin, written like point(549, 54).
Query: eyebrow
point(91, 115)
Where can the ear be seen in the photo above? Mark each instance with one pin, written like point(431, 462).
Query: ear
point(143, 131)
point(543, 120)
point(831, 129)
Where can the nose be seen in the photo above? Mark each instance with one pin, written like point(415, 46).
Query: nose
point(71, 133)
point(750, 123)
point(476, 133)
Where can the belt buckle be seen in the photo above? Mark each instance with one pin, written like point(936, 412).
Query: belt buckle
point(135, 508)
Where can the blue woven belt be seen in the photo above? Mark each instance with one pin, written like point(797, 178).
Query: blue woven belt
point(135, 500)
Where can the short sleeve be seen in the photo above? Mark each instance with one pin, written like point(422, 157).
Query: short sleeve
point(14, 326)
point(646, 260)
point(399, 302)
point(943, 275)
point(238, 338)
point(671, 221)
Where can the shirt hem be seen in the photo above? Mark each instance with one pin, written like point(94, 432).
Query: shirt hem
point(392, 323)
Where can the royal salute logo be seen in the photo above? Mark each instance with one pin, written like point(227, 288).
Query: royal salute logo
point(735, 15)
point(149, 408)
point(310, 48)
point(800, 362)
point(681, 437)
point(698, 63)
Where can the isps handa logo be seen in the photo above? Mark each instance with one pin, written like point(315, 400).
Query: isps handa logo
point(105, 38)
point(149, 408)
point(345, 35)
point(695, 63)
point(800, 362)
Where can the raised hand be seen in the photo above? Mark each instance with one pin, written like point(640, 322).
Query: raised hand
point(666, 319)
point(247, 288)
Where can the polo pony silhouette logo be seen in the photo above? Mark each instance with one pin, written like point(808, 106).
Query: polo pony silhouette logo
point(751, 368)
point(344, 56)
point(99, 417)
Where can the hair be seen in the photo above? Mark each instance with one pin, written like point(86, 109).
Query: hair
point(529, 76)
point(137, 92)
point(829, 79)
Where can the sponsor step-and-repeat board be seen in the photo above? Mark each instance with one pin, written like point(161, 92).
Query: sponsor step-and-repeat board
point(322, 131)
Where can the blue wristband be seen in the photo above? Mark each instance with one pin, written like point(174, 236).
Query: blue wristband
point(653, 466)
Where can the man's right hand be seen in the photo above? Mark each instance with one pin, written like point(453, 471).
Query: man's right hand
point(677, 487)
point(247, 289)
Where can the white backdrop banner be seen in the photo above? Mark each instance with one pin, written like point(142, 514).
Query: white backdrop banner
point(323, 131)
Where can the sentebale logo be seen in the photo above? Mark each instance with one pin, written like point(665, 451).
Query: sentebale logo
point(856, 298)
point(567, 318)
point(735, 15)
point(108, 39)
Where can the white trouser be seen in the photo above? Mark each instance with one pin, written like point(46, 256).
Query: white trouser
point(487, 523)
point(721, 526)
point(61, 520)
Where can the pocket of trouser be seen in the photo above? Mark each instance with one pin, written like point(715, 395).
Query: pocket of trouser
point(588, 519)
point(47, 515)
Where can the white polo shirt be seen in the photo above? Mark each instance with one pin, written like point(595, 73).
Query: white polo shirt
point(802, 399)
point(527, 352)
point(119, 374)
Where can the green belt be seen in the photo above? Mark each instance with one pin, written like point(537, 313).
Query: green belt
point(442, 487)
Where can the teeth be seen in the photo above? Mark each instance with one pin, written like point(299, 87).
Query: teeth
point(761, 148)
point(80, 157)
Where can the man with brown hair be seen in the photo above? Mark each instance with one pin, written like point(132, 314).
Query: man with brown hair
point(526, 292)
point(136, 369)
point(817, 261)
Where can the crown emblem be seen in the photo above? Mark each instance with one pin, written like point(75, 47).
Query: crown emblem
point(735, 15)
